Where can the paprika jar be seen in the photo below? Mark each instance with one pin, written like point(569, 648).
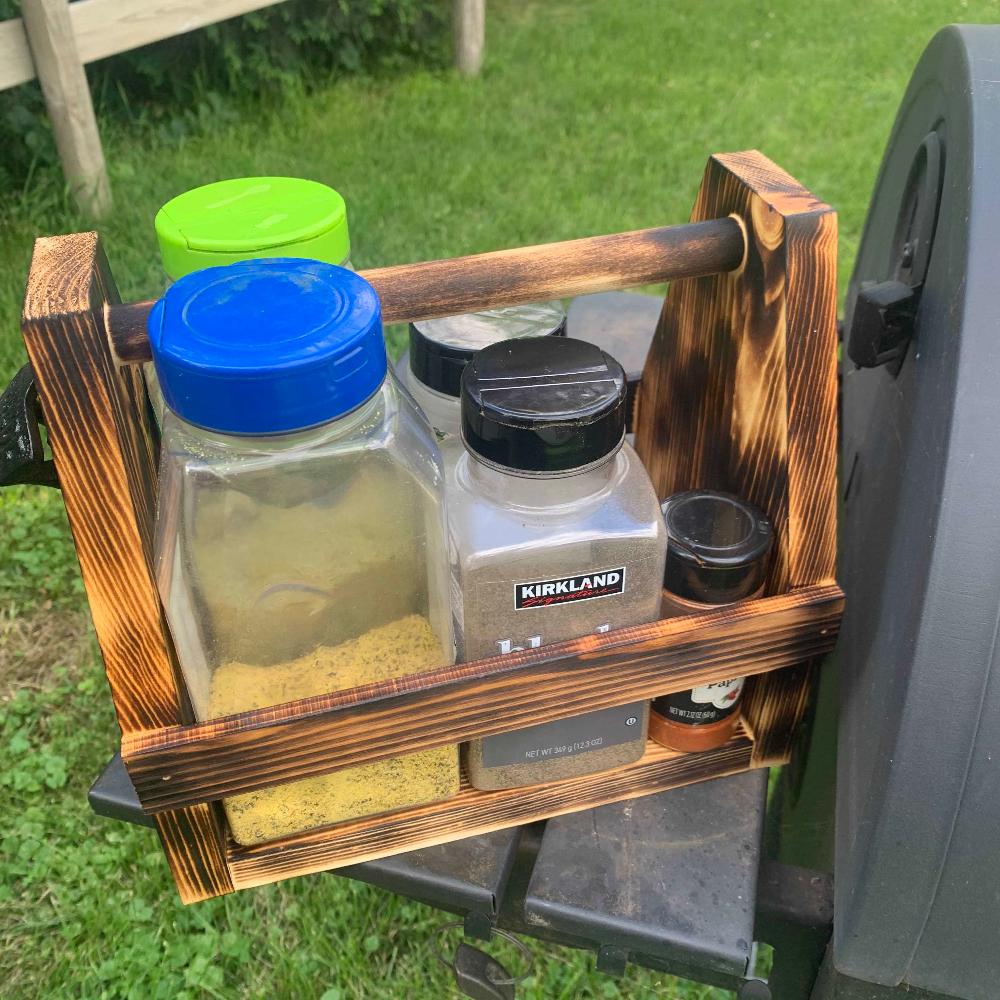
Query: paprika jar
point(716, 555)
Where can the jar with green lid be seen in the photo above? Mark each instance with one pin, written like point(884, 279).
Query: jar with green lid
point(244, 218)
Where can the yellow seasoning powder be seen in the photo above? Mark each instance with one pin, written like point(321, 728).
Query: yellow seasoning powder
point(402, 647)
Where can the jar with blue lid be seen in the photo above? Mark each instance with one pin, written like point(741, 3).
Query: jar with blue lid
point(300, 526)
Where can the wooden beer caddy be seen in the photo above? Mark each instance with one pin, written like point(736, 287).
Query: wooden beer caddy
point(738, 393)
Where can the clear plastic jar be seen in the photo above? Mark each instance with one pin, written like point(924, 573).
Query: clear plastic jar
point(439, 350)
point(716, 555)
point(247, 218)
point(554, 532)
point(300, 527)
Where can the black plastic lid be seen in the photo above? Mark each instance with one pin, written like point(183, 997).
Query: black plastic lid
point(717, 546)
point(543, 404)
point(441, 348)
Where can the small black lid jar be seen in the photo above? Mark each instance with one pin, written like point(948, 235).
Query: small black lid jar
point(717, 548)
point(439, 350)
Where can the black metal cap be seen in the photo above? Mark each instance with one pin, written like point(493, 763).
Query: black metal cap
point(717, 546)
point(543, 404)
point(441, 348)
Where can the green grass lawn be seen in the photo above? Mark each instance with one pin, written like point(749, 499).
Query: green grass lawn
point(589, 117)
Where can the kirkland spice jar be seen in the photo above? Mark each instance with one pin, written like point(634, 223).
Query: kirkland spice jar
point(441, 348)
point(716, 554)
point(247, 218)
point(300, 536)
point(554, 532)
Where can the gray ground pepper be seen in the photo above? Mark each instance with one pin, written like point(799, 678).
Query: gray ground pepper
point(517, 545)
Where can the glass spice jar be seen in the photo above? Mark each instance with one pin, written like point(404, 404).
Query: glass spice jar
point(439, 350)
point(246, 218)
point(300, 538)
point(716, 555)
point(554, 532)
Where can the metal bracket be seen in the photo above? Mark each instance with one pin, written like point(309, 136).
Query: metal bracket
point(22, 454)
point(113, 795)
point(480, 976)
point(884, 315)
point(885, 312)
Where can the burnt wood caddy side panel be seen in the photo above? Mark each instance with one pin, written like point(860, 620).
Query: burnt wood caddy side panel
point(104, 452)
point(739, 393)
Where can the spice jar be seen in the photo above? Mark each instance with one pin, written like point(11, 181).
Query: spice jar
point(440, 349)
point(300, 528)
point(716, 554)
point(554, 532)
point(245, 218)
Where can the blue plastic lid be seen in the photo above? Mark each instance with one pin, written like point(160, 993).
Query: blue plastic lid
point(267, 346)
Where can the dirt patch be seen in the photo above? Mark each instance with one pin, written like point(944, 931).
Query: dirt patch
point(35, 645)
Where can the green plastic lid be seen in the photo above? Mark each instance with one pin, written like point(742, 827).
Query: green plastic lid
point(252, 217)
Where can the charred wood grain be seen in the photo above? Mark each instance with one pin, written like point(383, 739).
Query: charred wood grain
point(182, 765)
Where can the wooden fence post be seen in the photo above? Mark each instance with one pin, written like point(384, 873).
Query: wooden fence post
point(469, 23)
point(67, 97)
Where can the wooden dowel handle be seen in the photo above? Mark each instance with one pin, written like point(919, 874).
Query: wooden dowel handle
point(510, 277)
